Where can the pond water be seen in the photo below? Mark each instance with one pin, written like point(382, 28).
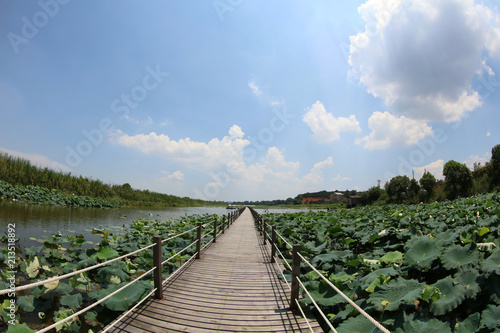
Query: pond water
point(34, 221)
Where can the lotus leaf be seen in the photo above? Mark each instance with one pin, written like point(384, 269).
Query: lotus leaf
point(20, 328)
point(91, 318)
point(358, 324)
point(26, 303)
point(419, 326)
point(423, 251)
point(51, 285)
point(72, 301)
point(62, 288)
point(106, 253)
point(451, 296)
point(456, 256)
point(469, 279)
point(380, 280)
point(470, 324)
point(33, 268)
point(392, 257)
point(431, 293)
point(128, 296)
point(71, 325)
point(490, 317)
point(323, 294)
point(492, 263)
point(396, 293)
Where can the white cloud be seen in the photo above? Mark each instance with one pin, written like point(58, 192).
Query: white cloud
point(38, 160)
point(420, 56)
point(339, 178)
point(315, 176)
point(203, 156)
point(477, 159)
point(255, 89)
point(389, 131)
point(175, 176)
point(488, 133)
point(436, 168)
point(326, 128)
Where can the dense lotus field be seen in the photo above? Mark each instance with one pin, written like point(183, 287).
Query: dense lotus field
point(420, 268)
point(45, 196)
point(59, 254)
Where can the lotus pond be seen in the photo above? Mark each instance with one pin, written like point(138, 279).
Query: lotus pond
point(421, 268)
point(59, 253)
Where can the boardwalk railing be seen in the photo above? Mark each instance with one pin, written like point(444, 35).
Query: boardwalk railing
point(296, 283)
point(216, 228)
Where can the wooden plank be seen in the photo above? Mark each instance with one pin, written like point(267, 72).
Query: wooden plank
point(232, 288)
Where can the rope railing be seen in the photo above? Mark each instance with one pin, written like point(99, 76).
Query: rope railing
point(157, 269)
point(295, 269)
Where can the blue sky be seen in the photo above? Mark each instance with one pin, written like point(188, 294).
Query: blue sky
point(249, 100)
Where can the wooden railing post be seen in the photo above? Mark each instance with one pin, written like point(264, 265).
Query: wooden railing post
point(260, 224)
point(157, 263)
point(295, 276)
point(223, 222)
point(273, 243)
point(264, 231)
point(215, 230)
point(198, 243)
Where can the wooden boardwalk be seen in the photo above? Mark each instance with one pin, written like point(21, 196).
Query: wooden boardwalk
point(232, 288)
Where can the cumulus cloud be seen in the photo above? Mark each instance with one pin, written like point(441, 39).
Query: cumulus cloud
point(326, 128)
point(196, 155)
point(315, 176)
point(175, 176)
point(482, 160)
point(388, 130)
point(421, 56)
point(436, 168)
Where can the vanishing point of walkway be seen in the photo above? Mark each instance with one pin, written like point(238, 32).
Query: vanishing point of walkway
point(232, 288)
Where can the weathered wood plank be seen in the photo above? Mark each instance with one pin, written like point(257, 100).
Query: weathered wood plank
point(232, 288)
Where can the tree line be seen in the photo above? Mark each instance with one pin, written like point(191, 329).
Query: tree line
point(20, 172)
point(459, 181)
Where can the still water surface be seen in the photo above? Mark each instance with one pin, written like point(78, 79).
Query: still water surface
point(38, 221)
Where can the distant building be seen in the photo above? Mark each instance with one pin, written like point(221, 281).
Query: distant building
point(306, 200)
point(353, 200)
point(336, 197)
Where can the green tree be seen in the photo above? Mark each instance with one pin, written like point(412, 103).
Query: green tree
point(428, 181)
point(458, 179)
point(495, 166)
point(398, 187)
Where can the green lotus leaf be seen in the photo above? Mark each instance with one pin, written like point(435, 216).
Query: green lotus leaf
point(392, 257)
point(419, 326)
point(105, 253)
point(469, 279)
point(470, 324)
point(20, 328)
point(322, 294)
point(422, 252)
point(430, 293)
point(33, 268)
point(457, 256)
point(483, 231)
point(451, 296)
point(72, 301)
point(26, 303)
point(91, 318)
point(108, 272)
point(358, 324)
point(490, 317)
point(396, 293)
point(31, 251)
point(492, 263)
point(128, 296)
point(71, 325)
point(378, 281)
